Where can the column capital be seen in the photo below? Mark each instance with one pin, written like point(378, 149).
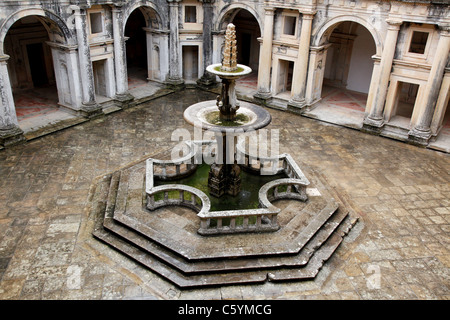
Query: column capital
point(269, 11)
point(117, 7)
point(444, 30)
point(173, 2)
point(308, 15)
point(394, 24)
point(117, 4)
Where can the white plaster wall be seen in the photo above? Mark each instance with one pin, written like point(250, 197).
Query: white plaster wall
point(361, 63)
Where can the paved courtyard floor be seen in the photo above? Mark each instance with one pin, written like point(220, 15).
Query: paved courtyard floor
point(401, 193)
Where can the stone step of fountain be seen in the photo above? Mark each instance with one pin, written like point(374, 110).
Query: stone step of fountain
point(186, 266)
point(309, 271)
point(305, 264)
point(176, 230)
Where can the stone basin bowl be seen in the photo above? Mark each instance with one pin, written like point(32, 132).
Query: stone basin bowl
point(242, 71)
point(257, 116)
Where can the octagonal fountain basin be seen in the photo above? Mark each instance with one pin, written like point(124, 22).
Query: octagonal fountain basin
point(206, 114)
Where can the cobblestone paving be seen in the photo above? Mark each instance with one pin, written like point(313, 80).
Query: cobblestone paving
point(401, 193)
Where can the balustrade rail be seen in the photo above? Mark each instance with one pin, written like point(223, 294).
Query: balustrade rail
point(262, 219)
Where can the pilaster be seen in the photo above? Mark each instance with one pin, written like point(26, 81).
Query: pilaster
point(89, 106)
point(378, 90)
point(207, 80)
point(10, 133)
point(421, 131)
point(120, 62)
point(174, 80)
point(301, 65)
point(265, 56)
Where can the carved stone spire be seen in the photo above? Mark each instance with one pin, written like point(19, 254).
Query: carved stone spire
point(229, 62)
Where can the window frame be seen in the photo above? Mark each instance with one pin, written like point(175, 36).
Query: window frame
point(284, 21)
point(184, 13)
point(408, 41)
point(102, 18)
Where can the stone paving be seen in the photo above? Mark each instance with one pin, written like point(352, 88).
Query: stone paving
point(401, 193)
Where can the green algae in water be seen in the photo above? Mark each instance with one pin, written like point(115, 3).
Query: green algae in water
point(246, 199)
point(214, 118)
point(219, 69)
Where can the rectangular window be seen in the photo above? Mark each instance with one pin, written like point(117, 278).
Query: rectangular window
point(418, 42)
point(190, 14)
point(96, 21)
point(290, 24)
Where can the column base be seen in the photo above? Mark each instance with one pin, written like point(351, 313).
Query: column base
point(419, 136)
point(175, 83)
point(373, 126)
point(11, 136)
point(91, 110)
point(262, 97)
point(124, 99)
point(296, 105)
point(207, 81)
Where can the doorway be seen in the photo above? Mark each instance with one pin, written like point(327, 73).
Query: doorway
point(190, 63)
point(406, 98)
point(37, 64)
point(99, 70)
point(284, 77)
point(136, 49)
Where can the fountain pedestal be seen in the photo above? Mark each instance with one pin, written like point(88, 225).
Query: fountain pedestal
point(224, 177)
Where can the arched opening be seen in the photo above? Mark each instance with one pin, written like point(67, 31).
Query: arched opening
point(136, 48)
point(146, 47)
point(39, 87)
point(348, 66)
point(247, 33)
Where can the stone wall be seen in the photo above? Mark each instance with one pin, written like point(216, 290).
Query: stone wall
point(291, 44)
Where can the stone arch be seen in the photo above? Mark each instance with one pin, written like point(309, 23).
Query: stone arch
point(248, 30)
point(343, 64)
point(152, 16)
point(44, 65)
point(147, 44)
point(229, 12)
point(325, 30)
point(56, 27)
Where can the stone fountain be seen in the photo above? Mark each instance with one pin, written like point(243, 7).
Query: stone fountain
point(190, 222)
point(225, 116)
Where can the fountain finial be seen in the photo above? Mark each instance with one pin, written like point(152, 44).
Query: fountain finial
point(229, 62)
point(228, 71)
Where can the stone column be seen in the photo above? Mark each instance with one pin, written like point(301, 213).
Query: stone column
point(301, 65)
point(175, 78)
point(374, 121)
point(265, 56)
point(421, 131)
point(373, 83)
point(89, 105)
point(10, 133)
point(120, 59)
point(317, 55)
point(442, 103)
point(207, 79)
